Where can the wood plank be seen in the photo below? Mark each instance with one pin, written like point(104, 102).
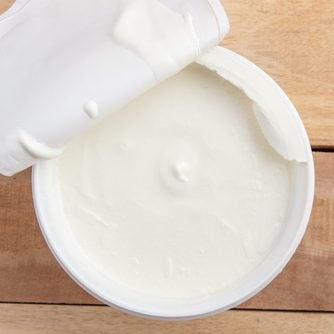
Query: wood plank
point(293, 41)
point(5, 4)
point(52, 319)
point(29, 273)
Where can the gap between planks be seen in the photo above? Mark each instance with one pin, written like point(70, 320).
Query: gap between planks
point(323, 149)
point(103, 305)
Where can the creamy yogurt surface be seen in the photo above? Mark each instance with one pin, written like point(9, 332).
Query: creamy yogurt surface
point(178, 195)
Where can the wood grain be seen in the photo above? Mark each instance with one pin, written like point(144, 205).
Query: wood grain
point(5, 4)
point(29, 272)
point(46, 319)
point(294, 42)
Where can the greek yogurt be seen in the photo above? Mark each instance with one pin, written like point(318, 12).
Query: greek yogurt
point(178, 195)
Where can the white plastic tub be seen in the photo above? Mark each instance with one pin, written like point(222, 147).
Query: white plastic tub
point(64, 248)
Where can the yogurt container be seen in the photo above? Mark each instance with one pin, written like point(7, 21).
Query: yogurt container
point(129, 276)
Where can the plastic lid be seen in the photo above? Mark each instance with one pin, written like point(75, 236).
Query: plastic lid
point(64, 65)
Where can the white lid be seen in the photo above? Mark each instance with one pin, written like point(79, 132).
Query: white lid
point(64, 65)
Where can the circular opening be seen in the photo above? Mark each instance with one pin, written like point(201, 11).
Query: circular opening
point(60, 237)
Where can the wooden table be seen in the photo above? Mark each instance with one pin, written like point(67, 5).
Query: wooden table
point(294, 42)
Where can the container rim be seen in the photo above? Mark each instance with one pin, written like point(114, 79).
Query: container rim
point(249, 291)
